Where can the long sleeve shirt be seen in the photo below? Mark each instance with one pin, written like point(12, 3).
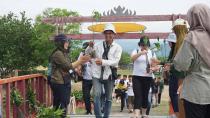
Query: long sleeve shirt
point(114, 56)
point(61, 65)
point(196, 85)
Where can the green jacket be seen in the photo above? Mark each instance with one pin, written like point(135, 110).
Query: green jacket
point(61, 65)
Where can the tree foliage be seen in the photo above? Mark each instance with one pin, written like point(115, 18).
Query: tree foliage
point(45, 32)
point(125, 59)
point(16, 51)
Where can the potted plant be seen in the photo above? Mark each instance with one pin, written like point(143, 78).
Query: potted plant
point(79, 98)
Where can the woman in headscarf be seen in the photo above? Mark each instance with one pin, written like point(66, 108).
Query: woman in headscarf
point(194, 58)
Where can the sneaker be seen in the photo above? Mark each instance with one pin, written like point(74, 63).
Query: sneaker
point(88, 113)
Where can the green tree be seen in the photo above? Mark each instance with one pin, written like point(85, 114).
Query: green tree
point(16, 51)
point(45, 32)
point(125, 59)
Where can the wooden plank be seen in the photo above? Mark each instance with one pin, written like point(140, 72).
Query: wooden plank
point(18, 78)
point(22, 89)
point(1, 101)
point(137, 18)
point(118, 36)
point(41, 90)
point(8, 104)
point(15, 109)
point(37, 89)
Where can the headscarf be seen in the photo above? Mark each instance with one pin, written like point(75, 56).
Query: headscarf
point(198, 17)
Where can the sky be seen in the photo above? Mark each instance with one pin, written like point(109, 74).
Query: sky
point(86, 7)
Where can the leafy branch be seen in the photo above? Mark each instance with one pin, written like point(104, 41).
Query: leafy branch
point(96, 15)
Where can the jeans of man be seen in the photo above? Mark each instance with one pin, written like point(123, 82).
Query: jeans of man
point(86, 88)
point(97, 91)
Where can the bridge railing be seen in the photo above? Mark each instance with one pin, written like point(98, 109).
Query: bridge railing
point(38, 84)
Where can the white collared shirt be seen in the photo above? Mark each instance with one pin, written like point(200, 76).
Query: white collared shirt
point(114, 56)
point(139, 65)
point(87, 74)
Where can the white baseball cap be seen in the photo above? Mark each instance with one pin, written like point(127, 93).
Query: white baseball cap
point(110, 27)
point(180, 21)
point(171, 37)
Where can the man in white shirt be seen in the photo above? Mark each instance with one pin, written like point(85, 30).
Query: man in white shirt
point(106, 55)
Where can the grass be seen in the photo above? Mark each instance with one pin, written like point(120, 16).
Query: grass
point(125, 72)
point(162, 110)
point(80, 111)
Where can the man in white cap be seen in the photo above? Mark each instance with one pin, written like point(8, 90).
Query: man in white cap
point(106, 56)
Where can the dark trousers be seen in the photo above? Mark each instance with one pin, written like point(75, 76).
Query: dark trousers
point(196, 110)
point(122, 97)
point(61, 96)
point(141, 86)
point(86, 88)
point(173, 87)
point(159, 97)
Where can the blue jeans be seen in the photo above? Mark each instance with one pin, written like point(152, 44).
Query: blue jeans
point(97, 91)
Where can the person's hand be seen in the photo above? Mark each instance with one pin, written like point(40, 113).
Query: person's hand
point(91, 43)
point(155, 61)
point(98, 61)
point(78, 70)
point(167, 67)
point(84, 59)
point(179, 89)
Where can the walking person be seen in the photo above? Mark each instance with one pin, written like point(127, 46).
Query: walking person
point(154, 92)
point(130, 94)
point(142, 75)
point(60, 75)
point(160, 89)
point(106, 56)
point(86, 81)
point(116, 91)
point(149, 106)
point(194, 58)
point(122, 88)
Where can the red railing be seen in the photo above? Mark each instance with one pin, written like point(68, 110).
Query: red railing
point(39, 85)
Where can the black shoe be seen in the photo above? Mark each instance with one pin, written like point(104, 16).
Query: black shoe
point(121, 110)
point(102, 111)
point(88, 113)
